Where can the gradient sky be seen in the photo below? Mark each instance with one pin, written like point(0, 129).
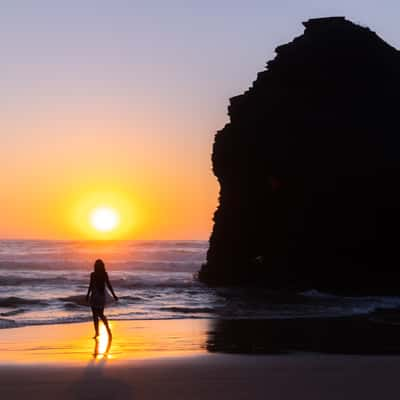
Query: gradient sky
point(123, 98)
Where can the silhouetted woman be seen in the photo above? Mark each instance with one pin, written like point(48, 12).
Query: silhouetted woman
point(96, 295)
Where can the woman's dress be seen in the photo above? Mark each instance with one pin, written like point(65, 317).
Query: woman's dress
point(98, 295)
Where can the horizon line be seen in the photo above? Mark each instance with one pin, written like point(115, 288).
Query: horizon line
point(99, 240)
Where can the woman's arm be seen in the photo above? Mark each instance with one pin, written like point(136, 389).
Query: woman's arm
point(110, 287)
point(89, 288)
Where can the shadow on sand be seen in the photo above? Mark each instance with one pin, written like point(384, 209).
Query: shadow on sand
point(97, 381)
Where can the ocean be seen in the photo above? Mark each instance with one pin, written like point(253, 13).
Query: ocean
point(45, 282)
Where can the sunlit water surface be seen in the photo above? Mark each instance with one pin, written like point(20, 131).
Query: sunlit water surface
point(45, 282)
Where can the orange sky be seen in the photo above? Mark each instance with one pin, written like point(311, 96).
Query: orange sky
point(62, 163)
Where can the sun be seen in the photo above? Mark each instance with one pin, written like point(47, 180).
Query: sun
point(104, 219)
point(105, 214)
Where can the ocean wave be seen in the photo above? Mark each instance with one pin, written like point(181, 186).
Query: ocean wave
point(79, 300)
point(73, 306)
point(143, 283)
point(188, 310)
point(316, 294)
point(157, 244)
point(19, 301)
point(132, 298)
point(14, 280)
point(125, 279)
point(7, 323)
point(13, 312)
point(74, 301)
point(40, 265)
point(83, 253)
point(167, 265)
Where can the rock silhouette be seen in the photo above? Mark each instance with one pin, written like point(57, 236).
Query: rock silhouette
point(309, 168)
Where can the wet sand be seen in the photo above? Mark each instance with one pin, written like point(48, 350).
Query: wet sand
point(170, 360)
point(73, 343)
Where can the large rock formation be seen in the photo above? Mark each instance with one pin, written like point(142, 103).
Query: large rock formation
point(309, 168)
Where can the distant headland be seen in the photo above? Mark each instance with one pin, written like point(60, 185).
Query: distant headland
point(309, 168)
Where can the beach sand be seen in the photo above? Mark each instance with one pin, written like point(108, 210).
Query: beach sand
point(169, 360)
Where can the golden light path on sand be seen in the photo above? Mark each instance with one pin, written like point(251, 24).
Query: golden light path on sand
point(103, 344)
point(131, 340)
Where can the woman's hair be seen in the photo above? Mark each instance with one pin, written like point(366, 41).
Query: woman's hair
point(99, 267)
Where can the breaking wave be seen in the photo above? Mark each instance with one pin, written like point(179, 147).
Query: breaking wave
point(18, 301)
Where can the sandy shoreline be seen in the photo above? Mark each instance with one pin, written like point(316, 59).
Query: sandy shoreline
point(210, 377)
point(169, 359)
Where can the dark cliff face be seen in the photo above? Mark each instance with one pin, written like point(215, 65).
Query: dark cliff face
point(309, 168)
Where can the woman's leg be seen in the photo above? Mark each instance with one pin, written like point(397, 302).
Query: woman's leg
point(95, 313)
point(105, 322)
